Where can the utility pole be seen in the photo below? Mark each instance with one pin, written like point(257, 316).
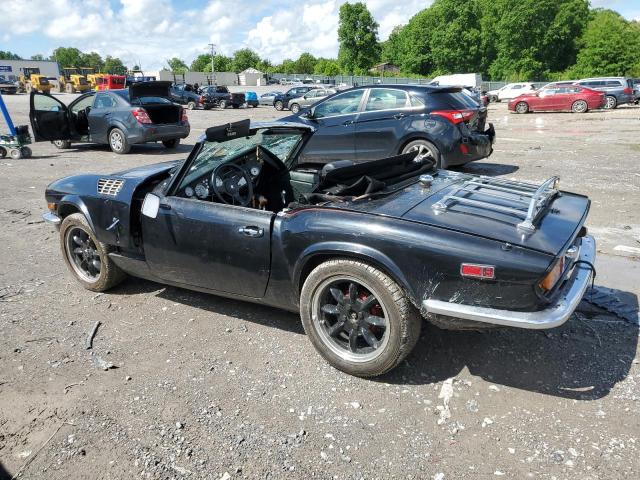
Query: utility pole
point(213, 74)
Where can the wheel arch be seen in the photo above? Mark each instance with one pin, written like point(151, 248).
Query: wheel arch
point(71, 204)
point(410, 137)
point(322, 252)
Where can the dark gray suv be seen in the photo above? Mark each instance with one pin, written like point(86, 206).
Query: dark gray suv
point(618, 90)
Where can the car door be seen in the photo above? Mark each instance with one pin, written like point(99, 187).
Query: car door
point(209, 245)
point(382, 123)
point(546, 99)
point(334, 119)
point(49, 118)
point(100, 117)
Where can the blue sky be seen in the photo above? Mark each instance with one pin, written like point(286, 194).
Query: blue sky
point(147, 32)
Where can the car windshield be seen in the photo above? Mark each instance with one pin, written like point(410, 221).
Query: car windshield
point(213, 154)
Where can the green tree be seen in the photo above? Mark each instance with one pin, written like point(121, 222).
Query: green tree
point(67, 57)
point(610, 47)
point(358, 37)
point(305, 63)
point(114, 65)
point(177, 65)
point(288, 66)
point(7, 55)
point(38, 57)
point(265, 66)
point(92, 59)
point(202, 63)
point(245, 58)
point(327, 67)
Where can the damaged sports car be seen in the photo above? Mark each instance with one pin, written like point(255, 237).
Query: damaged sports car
point(363, 251)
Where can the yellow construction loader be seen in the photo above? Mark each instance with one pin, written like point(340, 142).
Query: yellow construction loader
point(92, 79)
point(73, 81)
point(32, 80)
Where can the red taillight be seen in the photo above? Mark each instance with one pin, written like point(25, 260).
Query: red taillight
point(486, 272)
point(628, 91)
point(141, 116)
point(455, 116)
point(184, 118)
point(202, 99)
point(464, 149)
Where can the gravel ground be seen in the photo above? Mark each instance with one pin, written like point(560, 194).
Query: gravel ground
point(205, 387)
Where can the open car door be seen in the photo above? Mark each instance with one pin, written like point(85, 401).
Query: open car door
point(49, 118)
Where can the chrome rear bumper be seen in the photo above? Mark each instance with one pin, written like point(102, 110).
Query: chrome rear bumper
point(553, 316)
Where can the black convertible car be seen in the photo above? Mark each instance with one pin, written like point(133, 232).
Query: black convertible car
point(362, 251)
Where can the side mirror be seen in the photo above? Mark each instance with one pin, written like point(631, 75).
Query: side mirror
point(150, 205)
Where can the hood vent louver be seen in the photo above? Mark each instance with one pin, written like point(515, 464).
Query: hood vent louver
point(110, 186)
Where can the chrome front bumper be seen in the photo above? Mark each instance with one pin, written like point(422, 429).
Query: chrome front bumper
point(553, 316)
point(51, 218)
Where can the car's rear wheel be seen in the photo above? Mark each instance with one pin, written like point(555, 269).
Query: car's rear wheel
point(425, 149)
point(295, 108)
point(118, 141)
point(62, 144)
point(579, 106)
point(223, 104)
point(522, 107)
point(87, 257)
point(357, 317)
point(278, 105)
point(191, 105)
point(26, 152)
point(611, 102)
point(173, 143)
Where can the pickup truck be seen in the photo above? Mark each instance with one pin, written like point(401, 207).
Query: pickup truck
point(220, 96)
point(185, 94)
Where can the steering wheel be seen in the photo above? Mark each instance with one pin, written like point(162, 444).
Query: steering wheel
point(227, 183)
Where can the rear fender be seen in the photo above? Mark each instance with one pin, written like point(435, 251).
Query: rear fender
point(316, 253)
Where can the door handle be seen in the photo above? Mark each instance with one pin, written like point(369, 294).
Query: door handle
point(251, 231)
point(347, 123)
point(164, 206)
point(398, 116)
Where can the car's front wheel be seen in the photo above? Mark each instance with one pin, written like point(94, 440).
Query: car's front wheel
point(62, 144)
point(118, 141)
point(425, 149)
point(579, 106)
point(295, 108)
point(522, 107)
point(278, 105)
point(173, 143)
point(222, 104)
point(358, 318)
point(87, 257)
point(611, 102)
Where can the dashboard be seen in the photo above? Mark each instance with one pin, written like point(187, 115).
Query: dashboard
point(200, 188)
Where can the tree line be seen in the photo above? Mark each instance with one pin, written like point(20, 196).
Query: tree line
point(501, 39)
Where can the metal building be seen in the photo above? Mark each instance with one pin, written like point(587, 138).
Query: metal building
point(11, 69)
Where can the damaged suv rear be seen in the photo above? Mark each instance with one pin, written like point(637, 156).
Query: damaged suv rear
point(119, 118)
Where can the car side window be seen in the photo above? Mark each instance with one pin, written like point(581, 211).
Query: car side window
point(516, 87)
point(343, 104)
point(103, 100)
point(82, 104)
point(386, 99)
point(546, 92)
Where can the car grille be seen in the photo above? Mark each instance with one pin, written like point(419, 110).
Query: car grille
point(110, 186)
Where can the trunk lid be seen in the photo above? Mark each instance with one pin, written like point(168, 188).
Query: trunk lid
point(555, 225)
point(453, 99)
point(149, 89)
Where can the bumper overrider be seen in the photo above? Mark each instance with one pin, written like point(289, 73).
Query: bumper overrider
point(553, 316)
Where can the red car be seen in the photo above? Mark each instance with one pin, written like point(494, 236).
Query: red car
point(568, 98)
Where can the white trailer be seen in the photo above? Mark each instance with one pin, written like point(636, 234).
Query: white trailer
point(459, 80)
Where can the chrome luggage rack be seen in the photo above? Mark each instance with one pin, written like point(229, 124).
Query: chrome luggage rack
point(527, 199)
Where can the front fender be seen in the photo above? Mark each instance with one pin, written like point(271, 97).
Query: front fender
point(352, 250)
point(71, 204)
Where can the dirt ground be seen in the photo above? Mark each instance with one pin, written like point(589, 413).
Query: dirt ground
point(206, 387)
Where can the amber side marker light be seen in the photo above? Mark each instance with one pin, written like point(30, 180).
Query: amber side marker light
point(52, 206)
point(553, 276)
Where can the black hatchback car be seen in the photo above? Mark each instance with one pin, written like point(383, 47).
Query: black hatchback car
point(119, 118)
point(370, 122)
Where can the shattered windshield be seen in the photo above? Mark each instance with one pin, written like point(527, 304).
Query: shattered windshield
point(213, 154)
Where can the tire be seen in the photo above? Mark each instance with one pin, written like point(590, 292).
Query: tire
point(15, 153)
point(424, 148)
point(278, 105)
point(191, 105)
point(68, 88)
point(579, 106)
point(3, 152)
point(295, 108)
point(392, 342)
point(62, 144)
point(222, 104)
point(26, 152)
point(522, 107)
point(173, 143)
point(108, 274)
point(235, 106)
point(118, 141)
point(611, 102)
